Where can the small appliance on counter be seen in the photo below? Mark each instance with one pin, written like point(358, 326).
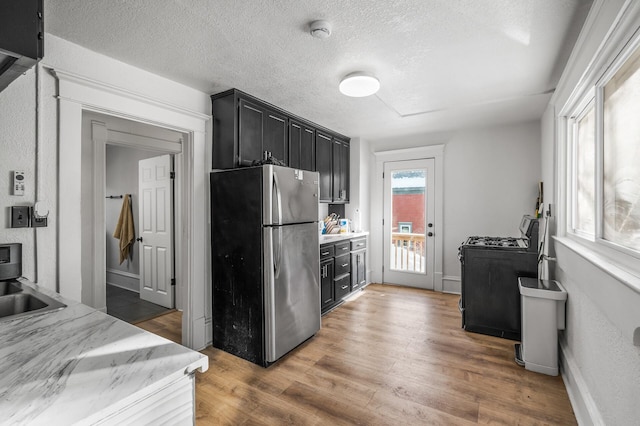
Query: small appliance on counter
point(491, 266)
point(265, 260)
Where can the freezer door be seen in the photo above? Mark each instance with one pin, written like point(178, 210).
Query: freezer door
point(292, 287)
point(290, 195)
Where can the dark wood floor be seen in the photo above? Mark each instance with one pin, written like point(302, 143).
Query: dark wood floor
point(393, 356)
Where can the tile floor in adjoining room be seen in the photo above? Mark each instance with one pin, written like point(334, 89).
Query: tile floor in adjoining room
point(127, 305)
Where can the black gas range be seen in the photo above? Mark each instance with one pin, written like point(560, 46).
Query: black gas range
point(490, 301)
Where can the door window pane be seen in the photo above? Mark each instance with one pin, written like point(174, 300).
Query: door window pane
point(584, 205)
point(621, 154)
point(408, 212)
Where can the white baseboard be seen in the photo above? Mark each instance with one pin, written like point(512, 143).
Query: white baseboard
point(451, 284)
point(123, 279)
point(584, 407)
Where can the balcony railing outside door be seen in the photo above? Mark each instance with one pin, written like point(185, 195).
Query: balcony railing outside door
point(408, 252)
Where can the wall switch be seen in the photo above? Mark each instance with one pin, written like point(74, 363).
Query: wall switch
point(20, 216)
point(18, 182)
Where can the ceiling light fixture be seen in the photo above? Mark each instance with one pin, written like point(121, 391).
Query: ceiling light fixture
point(320, 29)
point(359, 84)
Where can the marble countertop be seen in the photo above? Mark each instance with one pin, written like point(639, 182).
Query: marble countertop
point(333, 238)
point(80, 365)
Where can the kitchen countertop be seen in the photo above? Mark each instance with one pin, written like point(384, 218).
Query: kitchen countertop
point(80, 365)
point(333, 238)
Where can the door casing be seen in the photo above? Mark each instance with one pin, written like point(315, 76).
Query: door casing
point(431, 151)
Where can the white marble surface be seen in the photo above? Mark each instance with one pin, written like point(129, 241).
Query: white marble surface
point(78, 365)
point(332, 238)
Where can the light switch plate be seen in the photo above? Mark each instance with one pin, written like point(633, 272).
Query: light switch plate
point(20, 216)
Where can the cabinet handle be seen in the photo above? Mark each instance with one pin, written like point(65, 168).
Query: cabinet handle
point(344, 287)
point(344, 248)
point(328, 300)
point(360, 245)
point(324, 253)
point(345, 264)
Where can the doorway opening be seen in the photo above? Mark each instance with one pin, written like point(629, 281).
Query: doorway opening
point(138, 175)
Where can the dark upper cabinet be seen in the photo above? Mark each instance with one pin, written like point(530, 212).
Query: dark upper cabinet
point(324, 167)
point(244, 127)
point(276, 135)
point(250, 133)
point(340, 184)
point(260, 129)
point(302, 146)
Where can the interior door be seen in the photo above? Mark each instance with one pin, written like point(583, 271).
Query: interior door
point(408, 223)
point(155, 228)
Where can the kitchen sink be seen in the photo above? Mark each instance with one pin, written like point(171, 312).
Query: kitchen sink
point(7, 287)
point(17, 301)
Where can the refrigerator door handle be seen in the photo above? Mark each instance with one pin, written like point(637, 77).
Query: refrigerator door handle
point(278, 195)
point(269, 297)
point(277, 256)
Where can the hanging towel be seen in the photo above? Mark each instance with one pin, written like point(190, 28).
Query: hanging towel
point(125, 231)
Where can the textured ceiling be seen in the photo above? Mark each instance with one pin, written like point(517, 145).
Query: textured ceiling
point(441, 63)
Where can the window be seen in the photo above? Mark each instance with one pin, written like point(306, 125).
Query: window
point(621, 155)
point(584, 176)
point(604, 159)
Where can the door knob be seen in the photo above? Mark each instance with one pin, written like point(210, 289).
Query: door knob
point(430, 225)
point(430, 234)
point(139, 239)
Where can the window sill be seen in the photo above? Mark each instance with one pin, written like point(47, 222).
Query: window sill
point(605, 263)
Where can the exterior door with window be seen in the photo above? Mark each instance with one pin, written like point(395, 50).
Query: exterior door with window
point(155, 219)
point(408, 223)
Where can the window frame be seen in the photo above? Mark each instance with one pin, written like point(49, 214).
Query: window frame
point(594, 92)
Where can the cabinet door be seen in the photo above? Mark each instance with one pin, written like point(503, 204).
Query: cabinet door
point(251, 118)
point(295, 142)
point(358, 268)
point(308, 149)
point(301, 146)
point(323, 165)
point(275, 135)
point(344, 171)
point(326, 283)
point(340, 155)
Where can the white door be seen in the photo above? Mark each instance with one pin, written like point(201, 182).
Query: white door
point(408, 223)
point(155, 227)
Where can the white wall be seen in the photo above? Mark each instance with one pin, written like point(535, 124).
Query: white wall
point(20, 143)
point(490, 181)
point(18, 152)
point(600, 364)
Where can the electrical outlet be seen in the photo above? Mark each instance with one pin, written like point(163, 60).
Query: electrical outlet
point(20, 216)
point(38, 222)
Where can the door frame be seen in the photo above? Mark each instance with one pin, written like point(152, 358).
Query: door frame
point(75, 275)
point(409, 278)
point(377, 207)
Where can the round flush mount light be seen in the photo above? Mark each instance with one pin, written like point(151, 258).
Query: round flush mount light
point(359, 84)
point(320, 29)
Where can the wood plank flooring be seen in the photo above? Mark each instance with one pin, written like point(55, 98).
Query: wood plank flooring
point(393, 356)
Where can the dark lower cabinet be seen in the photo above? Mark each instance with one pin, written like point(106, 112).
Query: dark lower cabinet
point(342, 286)
point(326, 283)
point(342, 270)
point(358, 263)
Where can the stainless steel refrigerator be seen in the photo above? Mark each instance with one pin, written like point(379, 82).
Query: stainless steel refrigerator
point(265, 260)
